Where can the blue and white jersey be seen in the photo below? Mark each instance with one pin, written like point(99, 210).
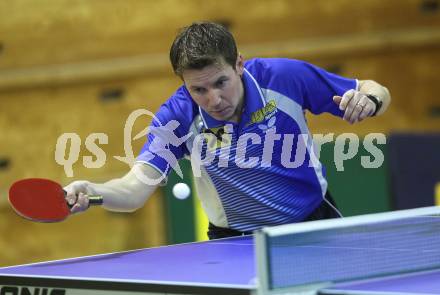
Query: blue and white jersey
point(263, 170)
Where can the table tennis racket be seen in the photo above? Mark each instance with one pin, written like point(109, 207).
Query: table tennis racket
point(42, 200)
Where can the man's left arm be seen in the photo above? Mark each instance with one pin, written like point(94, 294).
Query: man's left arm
point(371, 99)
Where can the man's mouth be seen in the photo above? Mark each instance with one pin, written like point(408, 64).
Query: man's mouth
point(222, 111)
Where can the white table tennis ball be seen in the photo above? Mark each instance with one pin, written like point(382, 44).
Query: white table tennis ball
point(181, 191)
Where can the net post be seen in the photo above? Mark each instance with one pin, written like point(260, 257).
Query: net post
point(262, 262)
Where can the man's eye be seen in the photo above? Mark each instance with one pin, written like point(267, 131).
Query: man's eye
point(199, 90)
point(221, 83)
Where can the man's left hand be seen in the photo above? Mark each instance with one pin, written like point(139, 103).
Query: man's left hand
point(357, 106)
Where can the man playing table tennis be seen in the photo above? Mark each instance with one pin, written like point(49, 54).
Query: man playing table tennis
point(260, 169)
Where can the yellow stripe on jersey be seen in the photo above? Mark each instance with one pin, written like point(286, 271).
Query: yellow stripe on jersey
point(437, 194)
point(200, 219)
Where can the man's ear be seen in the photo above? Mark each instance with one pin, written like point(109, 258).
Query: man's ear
point(239, 65)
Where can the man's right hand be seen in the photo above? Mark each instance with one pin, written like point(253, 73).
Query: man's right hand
point(76, 195)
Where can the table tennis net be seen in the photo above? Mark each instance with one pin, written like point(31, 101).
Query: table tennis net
point(354, 252)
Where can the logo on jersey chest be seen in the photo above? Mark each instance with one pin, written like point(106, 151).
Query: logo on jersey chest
point(222, 137)
point(264, 113)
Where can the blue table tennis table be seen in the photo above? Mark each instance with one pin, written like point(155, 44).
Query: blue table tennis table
point(225, 266)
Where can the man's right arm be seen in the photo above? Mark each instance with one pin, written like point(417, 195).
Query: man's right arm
point(125, 194)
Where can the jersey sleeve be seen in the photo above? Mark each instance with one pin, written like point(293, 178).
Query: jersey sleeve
point(319, 87)
point(309, 85)
point(165, 143)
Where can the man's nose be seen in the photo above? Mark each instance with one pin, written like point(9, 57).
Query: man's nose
point(214, 99)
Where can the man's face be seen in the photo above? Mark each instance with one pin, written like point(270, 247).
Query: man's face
point(217, 89)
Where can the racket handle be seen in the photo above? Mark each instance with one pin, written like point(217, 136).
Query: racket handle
point(95, 200)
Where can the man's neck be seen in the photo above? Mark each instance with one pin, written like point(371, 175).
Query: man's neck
point(236, 118)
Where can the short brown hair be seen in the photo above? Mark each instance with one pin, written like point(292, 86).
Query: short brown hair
point(202, 44)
